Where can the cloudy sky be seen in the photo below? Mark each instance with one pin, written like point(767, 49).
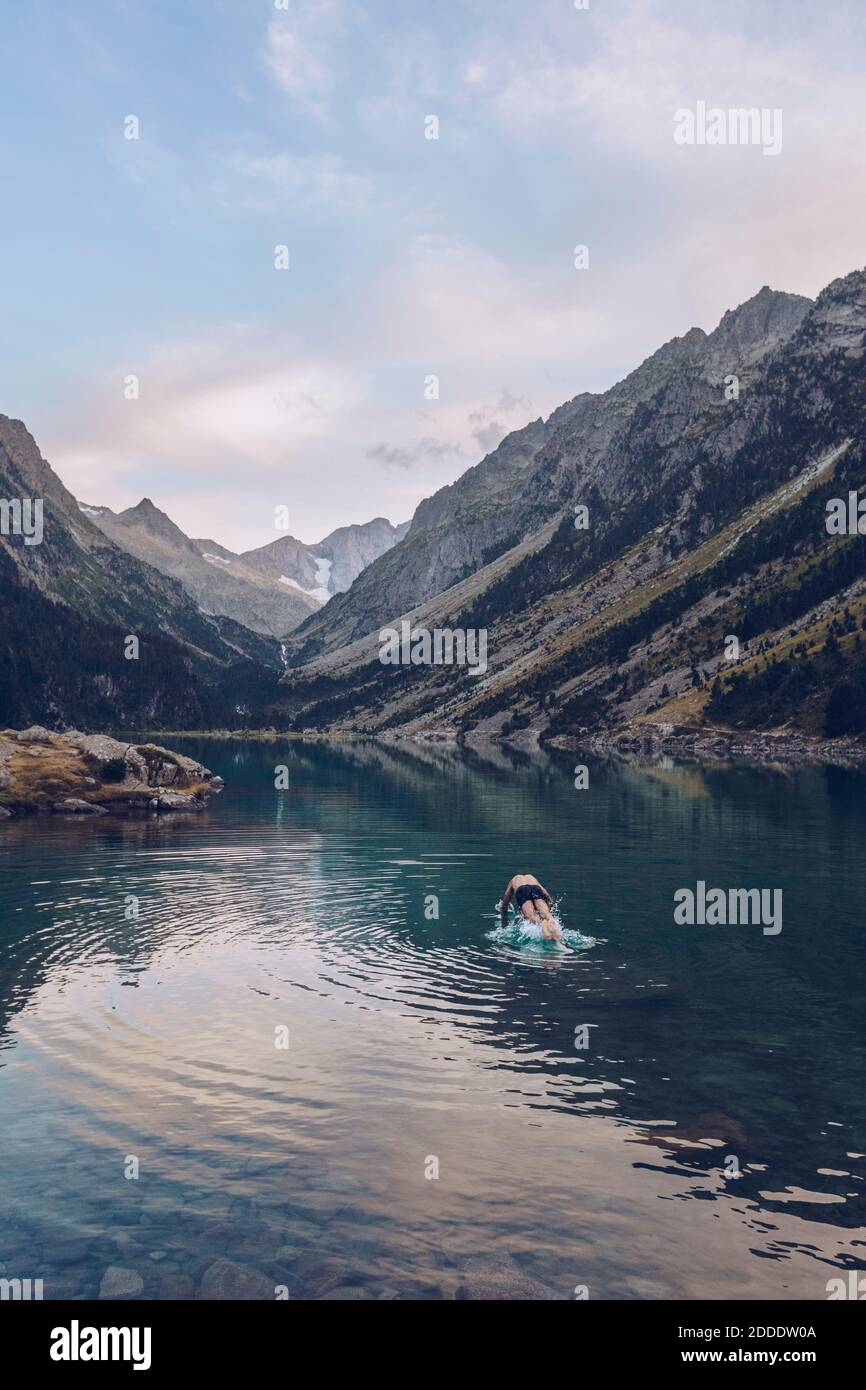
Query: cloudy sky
point(302, 123)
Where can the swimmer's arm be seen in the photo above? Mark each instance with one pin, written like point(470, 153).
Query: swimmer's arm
point(506, 899)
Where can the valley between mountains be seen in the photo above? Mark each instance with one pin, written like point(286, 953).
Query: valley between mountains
point(653, 557)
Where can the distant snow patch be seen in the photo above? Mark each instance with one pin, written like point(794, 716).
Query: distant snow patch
point(215, 559)
point(323, 575)
point(321, 594)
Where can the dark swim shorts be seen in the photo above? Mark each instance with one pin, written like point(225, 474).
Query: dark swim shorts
point(528, 892)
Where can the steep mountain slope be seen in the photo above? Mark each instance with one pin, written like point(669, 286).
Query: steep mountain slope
point(580, 455)
point(447, 538)
point(706, 519)
point(60, 669)
point(68, 603)
point(218, 584)
point(77, 565)
point(211, 550)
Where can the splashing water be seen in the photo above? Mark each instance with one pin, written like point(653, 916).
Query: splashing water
point(518, 931)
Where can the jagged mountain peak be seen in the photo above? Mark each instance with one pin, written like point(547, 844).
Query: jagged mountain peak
point(217, 582)
point(838, 314)
point(146, 513)
point(152, 527)
point(685, 350)
point(599, 442)
point(35, 474)
point(357, 526)
point(757, 327)
point(850, 286)
point(707, 514)
point(330, 566)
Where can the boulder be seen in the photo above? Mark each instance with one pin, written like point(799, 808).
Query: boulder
point(177, 801)
point(35, 734)
point(195, 771)
point(99, 746)
point(74, 807)
point(104, 749)
point(165, 768)
point(136, 764)
point(499, 1277)
point(225, 1279)
point(118, 1282)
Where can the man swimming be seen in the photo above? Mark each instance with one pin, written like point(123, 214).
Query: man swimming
point(534, 902)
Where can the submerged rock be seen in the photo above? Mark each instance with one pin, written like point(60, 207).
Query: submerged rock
point(118, 1282)
point(346, 1293)
point(488, 1277)
point(225, 1279)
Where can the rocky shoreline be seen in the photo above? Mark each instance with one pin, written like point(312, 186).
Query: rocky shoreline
point(651, 739)
point(719, 745)
point(665, 740)
point(94, 775)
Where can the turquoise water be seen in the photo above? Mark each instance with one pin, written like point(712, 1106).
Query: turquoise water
point(659, 1112)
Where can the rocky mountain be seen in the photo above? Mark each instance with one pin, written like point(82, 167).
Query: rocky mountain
point(705, 476)
point(69, 601)
point(654, 555)
point(271, 589)
point(207, 621)
point(318, 571)
point(538, 471)
point(449, 536)
point(220, 583)
point(350, 549)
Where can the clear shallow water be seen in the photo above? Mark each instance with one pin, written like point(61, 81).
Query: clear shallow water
point(413, 1039)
